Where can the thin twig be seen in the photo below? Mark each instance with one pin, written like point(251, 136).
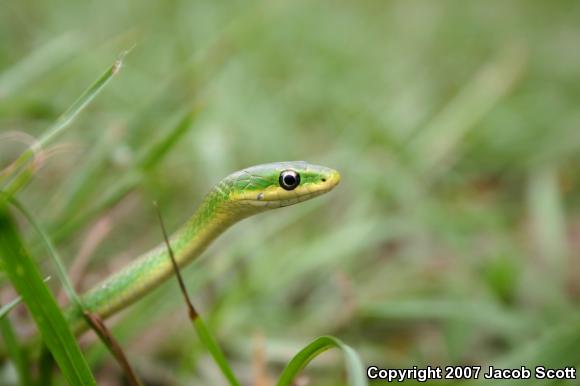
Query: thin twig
point(203, 332)
point(105, 335)
point(191, 310)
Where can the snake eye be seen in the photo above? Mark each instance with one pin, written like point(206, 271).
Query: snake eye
point(289, 179)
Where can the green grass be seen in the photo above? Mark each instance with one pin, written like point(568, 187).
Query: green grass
point(15, 352)
point(24, 167)
point(452, 239)
point(355, 370)
point(25, 277)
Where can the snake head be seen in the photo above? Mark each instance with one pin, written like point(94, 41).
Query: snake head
point(280, 184)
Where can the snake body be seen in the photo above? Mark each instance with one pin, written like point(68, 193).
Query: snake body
point(238, 196)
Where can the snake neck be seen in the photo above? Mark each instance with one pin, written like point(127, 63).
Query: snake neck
point(147, 272)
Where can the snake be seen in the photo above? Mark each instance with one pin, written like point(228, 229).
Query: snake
point(242, 194)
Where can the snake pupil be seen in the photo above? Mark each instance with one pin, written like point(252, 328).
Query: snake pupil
point(289, 179)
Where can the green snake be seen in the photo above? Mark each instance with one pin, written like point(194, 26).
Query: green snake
point(238, 196)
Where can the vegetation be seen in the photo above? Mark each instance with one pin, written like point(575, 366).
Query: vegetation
point(453, 238)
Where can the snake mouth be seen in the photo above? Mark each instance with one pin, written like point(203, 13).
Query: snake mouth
point(327, 182)
point(332, 179)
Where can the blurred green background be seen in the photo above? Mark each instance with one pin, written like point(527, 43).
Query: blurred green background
point(452, 239)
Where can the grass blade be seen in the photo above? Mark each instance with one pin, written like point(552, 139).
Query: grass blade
point(440, 140)
point(354, 368)
point(45, 367)
point(6, 308)
point(63, 122)
point(484, 314)
point(39, 62)
point(60, 269)
point(211, 344)
point(25, 277)
point(14, 349)
point(157, 151)
point(93, 320)
point(548, 221)
point(86, 97)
